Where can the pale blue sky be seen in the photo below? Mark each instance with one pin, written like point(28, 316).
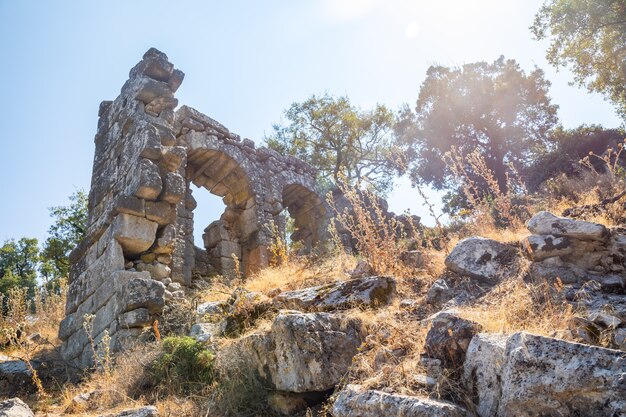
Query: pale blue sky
point(245, 62)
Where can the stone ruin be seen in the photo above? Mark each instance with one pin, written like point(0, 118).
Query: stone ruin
point(139, 249)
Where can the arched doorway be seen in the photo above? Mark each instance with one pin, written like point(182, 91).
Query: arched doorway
point(308, 212)
point(229, 240)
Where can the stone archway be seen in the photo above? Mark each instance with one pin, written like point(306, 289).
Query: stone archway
point(309, 212)
point(234, 233)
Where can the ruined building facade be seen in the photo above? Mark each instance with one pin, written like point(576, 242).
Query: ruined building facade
point(139, 249)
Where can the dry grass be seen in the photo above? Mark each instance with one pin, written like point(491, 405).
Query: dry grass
point(390, 356)
point(301, 272)
point(515, 306)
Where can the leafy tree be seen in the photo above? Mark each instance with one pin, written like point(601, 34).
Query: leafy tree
point(18, 264)
point(340, 140)
point(571, 146)
point(69, 227)
point(589, 37)
point(493, 108)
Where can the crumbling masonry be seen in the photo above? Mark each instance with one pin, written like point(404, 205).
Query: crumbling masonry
point(139, 249)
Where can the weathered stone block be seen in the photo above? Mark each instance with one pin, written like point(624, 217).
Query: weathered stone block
point(134, 234)
point(89, 281)
point(545, 376)
point(173, 188)
point(166, 240)
point(149, 184)
point(543, 247)
point(149, 89)
point(356, 401)
point(483, 259)
point(176, 80)
point(215, 233)
point(482, 371)
point(226, 249)
point(449, 337)
point(14, 407)
point(151, 140)
point(143, 293)
point(172, 157)
point(131, 205)
point(544, 223)
point(364, 292)
point(161, 212)
point(154, 65)
point(135, 318)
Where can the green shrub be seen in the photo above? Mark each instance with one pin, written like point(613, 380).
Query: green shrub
point(184, 365)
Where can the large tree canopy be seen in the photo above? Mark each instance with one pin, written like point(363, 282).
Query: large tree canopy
point(569, 147)
point(340, 140)
point(495, 109)
point(589, 37)
point(18, 264)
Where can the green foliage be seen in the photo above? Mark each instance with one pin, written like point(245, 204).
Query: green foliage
point(589, 37)
point(570, 146)
point(69, 227)
point(184, 365)
point(493, 108)
point(341, 141)
point(18, 265)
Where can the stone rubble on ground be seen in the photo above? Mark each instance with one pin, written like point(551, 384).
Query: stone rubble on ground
point(356, 401)
point(359, 292)
point(14, 407)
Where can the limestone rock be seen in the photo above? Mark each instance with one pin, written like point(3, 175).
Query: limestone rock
point(545, 376)
point(14, 407)
point(149, 183)
point(552, 269)
point(355, 401)
point(482, 370)
point(365, 292)
point(143, 293)
point(449, 337)
point(134, 234)
point(206, 332)
point(302, 352)
point(14, 376)
point(173, 188)
point(543, 247)
point(545, 223)
point(483, 259)
point(212, 308)
point(161, 212)
point(312, 350)
point(147, 411)
point(135, 318)
point(157, 270)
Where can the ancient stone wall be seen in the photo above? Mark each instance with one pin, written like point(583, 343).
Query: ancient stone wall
point(139, 249)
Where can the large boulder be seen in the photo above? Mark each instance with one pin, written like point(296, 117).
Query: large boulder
point(542, 376)
point(545, 223)
point(14, 407)
point(482, 370)
point(15, 376)
point(360, 292)
point(483, 259)
point(356, 401)
point(302, 352)
point(449, 337)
